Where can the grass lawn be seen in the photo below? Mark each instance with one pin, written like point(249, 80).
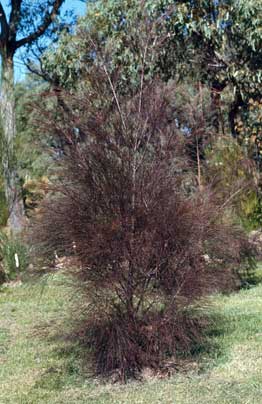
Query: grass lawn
point(37, 365)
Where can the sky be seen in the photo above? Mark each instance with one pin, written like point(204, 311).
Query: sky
point(78, 8)
point(77, 5)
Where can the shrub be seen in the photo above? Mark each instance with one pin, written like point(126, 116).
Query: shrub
point(34, 191)
point(147, 250)
point(235, 177)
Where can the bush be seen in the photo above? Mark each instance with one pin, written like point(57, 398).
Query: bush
point(148, 246)
point(235, 177)
point(34, 191)
point(247, 272)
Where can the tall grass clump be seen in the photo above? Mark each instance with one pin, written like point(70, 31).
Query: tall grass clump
point(14, 257)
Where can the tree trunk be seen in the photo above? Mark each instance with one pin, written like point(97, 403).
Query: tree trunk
point(234, 111)
point(12, 192)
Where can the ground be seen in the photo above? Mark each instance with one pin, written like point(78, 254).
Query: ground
point(39, 365)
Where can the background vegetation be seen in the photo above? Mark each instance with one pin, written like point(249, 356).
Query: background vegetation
point(135, 157)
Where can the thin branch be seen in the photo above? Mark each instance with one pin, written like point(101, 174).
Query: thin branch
point(47, 21)
point(15, 17)
point(142, 76)
point(110, 83)
point(231, 197)
point(115, 96)
point(3, 23)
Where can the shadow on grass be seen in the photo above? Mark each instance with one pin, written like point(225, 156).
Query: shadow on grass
point(65, 369)
point(74, 357)
point(211, 351)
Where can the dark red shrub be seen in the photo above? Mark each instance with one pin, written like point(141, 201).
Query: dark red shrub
point(148, 245)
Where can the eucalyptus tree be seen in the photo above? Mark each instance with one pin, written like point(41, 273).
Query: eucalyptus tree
point(215, 43)
point(25, 24)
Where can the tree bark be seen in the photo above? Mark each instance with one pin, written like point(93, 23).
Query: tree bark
point(12, 192)
point(9, 31)
point(234, 111)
